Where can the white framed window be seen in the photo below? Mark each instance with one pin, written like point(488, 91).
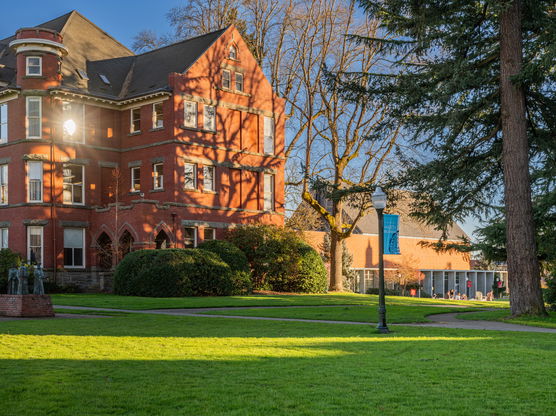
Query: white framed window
point(33, 65)
point(135, 120)
point(190, 114)
point(190, 237)
point(33, 119)
point(34, 181)
point(269, 135)
point(268, 192)
point(3, 238)
point(239, 81)
point(226, 79)
point(74, 247)
point(208, 178)
point(190, 176)
point(233, 52)
point(74, 184)
point(74, 122)
point(3, 123)
point(35, 244)
point(135, 179)
point(209, 234)
point(3, 184)
point(158, 176)
point(209, 119)
point(158, 116)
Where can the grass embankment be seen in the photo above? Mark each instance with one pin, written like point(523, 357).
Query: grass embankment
point(504, 316)
point(165, 365)
point(138, 303)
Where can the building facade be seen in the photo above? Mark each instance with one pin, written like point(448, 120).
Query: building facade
point(103, 151)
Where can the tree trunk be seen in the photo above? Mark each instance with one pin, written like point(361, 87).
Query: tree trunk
point(523, 266)
point(336, 278)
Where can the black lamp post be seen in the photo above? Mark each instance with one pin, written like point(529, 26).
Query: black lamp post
point(379, 202)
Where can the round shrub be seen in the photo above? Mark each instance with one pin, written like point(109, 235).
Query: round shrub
point(231, 254)
point(8, 259)
point(173, 273)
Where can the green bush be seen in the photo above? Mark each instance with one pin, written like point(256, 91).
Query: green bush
point(387, 292)
point(172, 273)
point(241, 283)
point(228, 252)
point(279, 259)
point(550, 291)
point(8, 259)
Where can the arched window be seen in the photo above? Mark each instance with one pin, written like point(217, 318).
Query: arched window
point(126, 242)
point(162, 240)
point(104, 252)
point(233, 52)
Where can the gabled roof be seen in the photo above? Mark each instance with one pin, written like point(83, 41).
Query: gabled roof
point(96, 52)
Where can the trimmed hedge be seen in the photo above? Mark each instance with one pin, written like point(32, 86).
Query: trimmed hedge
point(232, 255)
point(173, 273)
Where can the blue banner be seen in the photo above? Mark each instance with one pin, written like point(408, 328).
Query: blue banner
point(391, 234)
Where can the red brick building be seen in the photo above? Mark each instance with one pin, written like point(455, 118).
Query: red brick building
point(99, 146)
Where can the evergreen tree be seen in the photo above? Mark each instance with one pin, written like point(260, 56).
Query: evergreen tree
point(473, 81)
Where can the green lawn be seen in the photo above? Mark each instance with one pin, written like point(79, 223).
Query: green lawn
point(503, 315)
point(395, 313)
point(162, 365)
point(134, 302)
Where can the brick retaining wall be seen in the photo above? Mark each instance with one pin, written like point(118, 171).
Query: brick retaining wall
point(26, 306)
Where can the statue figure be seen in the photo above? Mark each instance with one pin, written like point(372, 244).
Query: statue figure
point(38, 287)
point(23, 281)
point(12, 281)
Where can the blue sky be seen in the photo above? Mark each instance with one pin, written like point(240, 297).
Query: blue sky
point(120, 18)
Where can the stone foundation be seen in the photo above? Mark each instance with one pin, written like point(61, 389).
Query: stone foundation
point(91, 281)
point(26, 306)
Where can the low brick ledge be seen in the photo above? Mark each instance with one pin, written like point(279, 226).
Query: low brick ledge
point(26, 306)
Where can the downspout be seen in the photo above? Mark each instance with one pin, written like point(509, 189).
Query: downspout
point(53, 209)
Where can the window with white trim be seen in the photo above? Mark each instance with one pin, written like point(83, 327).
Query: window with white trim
point(135, 120)
point(209, 119)
point(3, 123)
point(73, 115)
point(3, 238)
point(233, 52)
point(74, 247)
point(239, 81)
point(158, 176)
point(33, 119)
point(268, 192)
point(158, 116)
point(208, 178)
point(34, 181)
point(74, 184)
point(190, 176)
point(269, 135)
point(33, 66)
point(135, 179)
point(226, 79)
point(35, 245)
point(190, 114)
point(190, 237)
point(3, 184)
point(209, 234)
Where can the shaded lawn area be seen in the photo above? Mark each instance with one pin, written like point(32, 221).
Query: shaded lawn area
point(394, 314)
point(504, 316)
point(164, 365)
point(137, 303)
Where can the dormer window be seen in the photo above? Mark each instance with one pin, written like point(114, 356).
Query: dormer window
point(34, 66)
point(83, 74)
point(233, 53)
point(104, 79)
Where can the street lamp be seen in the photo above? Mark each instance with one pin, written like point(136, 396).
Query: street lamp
point(379, 202)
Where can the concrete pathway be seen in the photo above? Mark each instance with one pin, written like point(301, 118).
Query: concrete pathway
point(445, 320)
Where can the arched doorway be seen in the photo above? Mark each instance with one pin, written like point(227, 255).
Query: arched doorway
point(126, 243)
point(105, 254)
point(162, 240)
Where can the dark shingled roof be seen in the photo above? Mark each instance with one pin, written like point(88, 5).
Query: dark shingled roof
point(93, 50)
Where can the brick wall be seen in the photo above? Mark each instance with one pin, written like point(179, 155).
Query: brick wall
point(26, 306)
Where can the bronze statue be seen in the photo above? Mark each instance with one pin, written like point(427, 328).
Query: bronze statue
point(38, 286)
point(23, 281)
point(12, 281)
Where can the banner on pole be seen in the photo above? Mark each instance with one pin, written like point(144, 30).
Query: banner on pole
point(391, 234)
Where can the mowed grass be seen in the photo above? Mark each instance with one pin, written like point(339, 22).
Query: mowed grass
point(138, 303)
point(394, 314)
point(166, 365)
point(504, 316)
